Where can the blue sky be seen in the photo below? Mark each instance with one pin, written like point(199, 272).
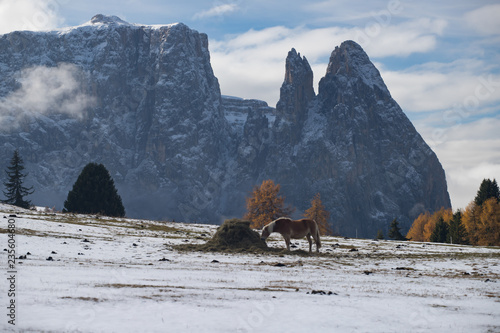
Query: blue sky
point(439, 59)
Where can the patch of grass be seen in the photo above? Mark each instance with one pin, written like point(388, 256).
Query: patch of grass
point(262, 289)
point(88, 299)
point(29, 232)
point(163, 228)
point(135, 286)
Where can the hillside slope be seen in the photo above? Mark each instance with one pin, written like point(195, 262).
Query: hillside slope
point(92, 274)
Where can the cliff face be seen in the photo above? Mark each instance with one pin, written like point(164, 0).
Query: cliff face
point(153, 113)
point(144, 101)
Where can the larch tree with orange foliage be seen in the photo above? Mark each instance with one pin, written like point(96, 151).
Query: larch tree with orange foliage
point(266, 205)
point(482, 216)
point(489, 227)
point(478, 224)
point(445, 214)
point(416, 232)
point(471, 221)
point(318, 213)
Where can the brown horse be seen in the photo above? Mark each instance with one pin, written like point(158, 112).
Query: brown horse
point(289, 228)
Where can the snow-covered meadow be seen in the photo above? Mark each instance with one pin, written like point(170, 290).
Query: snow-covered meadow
point(97, 274)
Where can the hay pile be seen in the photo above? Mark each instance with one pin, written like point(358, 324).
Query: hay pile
point(234, 236)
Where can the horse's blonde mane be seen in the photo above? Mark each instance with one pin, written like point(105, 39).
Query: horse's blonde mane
point(270, 226)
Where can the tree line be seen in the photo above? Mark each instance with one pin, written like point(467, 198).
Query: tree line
point(477, 224)
point(94, 191)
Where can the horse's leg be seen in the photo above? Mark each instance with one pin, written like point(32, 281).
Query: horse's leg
point(317, 240)
point(287, 241)
point(310, 242)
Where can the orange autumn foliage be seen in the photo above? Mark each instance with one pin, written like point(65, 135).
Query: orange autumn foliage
point(416, 232)
point(318, 213)
point(470, 220)
point(483, 222)
point(266, 205)
point(423, 226)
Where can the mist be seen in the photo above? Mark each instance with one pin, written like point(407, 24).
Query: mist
point(45, 91)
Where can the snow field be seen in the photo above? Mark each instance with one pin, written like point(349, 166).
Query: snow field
point(121, 275)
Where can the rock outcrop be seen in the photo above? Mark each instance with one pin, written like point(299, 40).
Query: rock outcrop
point(295, 94)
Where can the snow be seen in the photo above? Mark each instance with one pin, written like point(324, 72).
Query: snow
point(109, 284)
point(232, 98)
point(102, 22)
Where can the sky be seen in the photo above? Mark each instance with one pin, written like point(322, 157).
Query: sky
point(439, 59)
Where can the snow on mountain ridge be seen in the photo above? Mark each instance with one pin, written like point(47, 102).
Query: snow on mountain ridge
point(101, 21)
point(108, 20)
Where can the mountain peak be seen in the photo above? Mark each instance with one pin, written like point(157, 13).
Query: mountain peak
point(297, 66)
point(295, 94)
point(101, 19)
point(350, 60)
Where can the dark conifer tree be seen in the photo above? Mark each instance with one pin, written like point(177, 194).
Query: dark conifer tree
point(457, 232)
point(487, 189)
point(440, 233)
point(395, 231)
point(14, 189)
point(94, 192)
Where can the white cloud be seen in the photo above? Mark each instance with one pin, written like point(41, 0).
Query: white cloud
point(469, 153)
point(46, 90)
point(485, 20)
point(460, 122)
point(416, 36)
point(29, 15)
point(440, 86)
point(217, 10)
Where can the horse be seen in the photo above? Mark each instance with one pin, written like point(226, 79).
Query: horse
point(295, 229)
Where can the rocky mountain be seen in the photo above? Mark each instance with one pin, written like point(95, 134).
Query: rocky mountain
point(144, 101)
point(353, 144)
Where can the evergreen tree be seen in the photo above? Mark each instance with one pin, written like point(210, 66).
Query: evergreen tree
point(440, 233)
point(318, 213)
point(457, 232)
point(266, 205)
point(487, 189)
point(94, 192)
point(395, 231)
point(15, 191)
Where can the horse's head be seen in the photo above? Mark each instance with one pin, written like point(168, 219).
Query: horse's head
point(266, 231)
